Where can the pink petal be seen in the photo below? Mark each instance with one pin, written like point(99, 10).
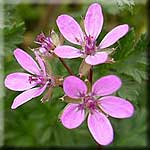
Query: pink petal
point(19, 81)
point(70, 29)
point(27, 95)
point(106, 85)
point(74, 87)
point(72, 117)
point(26, 61)
point(114, 35)
point(67, 52)
point(98, 58)
point(43, 50)
point(116, 107)
point(93, 20)
point(100, 128)
point(41, 63)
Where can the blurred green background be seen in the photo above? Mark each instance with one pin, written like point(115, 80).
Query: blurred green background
point(36, 124)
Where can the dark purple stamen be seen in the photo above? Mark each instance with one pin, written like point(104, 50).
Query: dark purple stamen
point(38, 79)
point(89, 103)
point(45, 42)
point(40, 38)
point(90, 45)
point(41, 80)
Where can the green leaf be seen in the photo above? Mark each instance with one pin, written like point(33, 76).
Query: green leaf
point(13, 29)
point(125, 4)
point(134, 128)
point(133, 63)
point(125, 45)
point(13, 36)
point(130, 89)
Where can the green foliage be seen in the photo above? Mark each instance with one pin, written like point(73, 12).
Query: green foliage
point(125, 3)
point(13, 36)
point(130, 66)
point(114, 7)
point(133, 64)
point(13, 29)
point(133, 130)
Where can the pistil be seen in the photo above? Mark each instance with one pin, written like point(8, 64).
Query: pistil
point(89, 103)
point(90, 45)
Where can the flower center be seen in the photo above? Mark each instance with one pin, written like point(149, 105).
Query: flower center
point(45, 42)
point(90, 45)
point(40, 38)
point(41, 80)
point(90, 103)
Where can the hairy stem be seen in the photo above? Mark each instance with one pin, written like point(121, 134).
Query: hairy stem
point(66, 66)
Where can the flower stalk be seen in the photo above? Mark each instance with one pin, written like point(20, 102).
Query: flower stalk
point(90, 75)
point(66, 66)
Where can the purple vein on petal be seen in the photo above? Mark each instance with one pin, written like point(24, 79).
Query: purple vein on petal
point(70, 29)
point(41, 63)
point(98, 58)
point(72, 117)
point(19, 81)
point(114, 35)
point(74, 87)
point(27, 96)
point(106, 85)
point(26, 61)
point(116, 107)
point(93, 20)
point(100, 128)
point(67, 52)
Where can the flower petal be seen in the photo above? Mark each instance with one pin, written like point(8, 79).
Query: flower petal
point(100, 128)
point(116, 107)
point(74, 87)
point(70, 29)
point(26, 61)
point(72, 117)
point(114, 35)
point(27, 95)
point(106, 85)
point(93, 20)
point(41, 63)
point(19, 81)
point(98, 58)
point(67, 52)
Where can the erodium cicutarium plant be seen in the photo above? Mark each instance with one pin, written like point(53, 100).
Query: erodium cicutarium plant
point(95, 101)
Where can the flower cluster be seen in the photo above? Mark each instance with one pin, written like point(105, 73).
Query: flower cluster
point(96, 101)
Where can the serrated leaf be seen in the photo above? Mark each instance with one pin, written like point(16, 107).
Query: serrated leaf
point(125, 4)
point(133, 64)
point(130, 89)
point(13, 36)
point(125, 45)
point(13, 29)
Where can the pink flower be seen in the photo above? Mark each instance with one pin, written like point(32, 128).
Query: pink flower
point(98, 104)
point(46, 45)
point(33, 84)
point(93, 23)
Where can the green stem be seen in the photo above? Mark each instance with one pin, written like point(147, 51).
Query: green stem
point(90, 75)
